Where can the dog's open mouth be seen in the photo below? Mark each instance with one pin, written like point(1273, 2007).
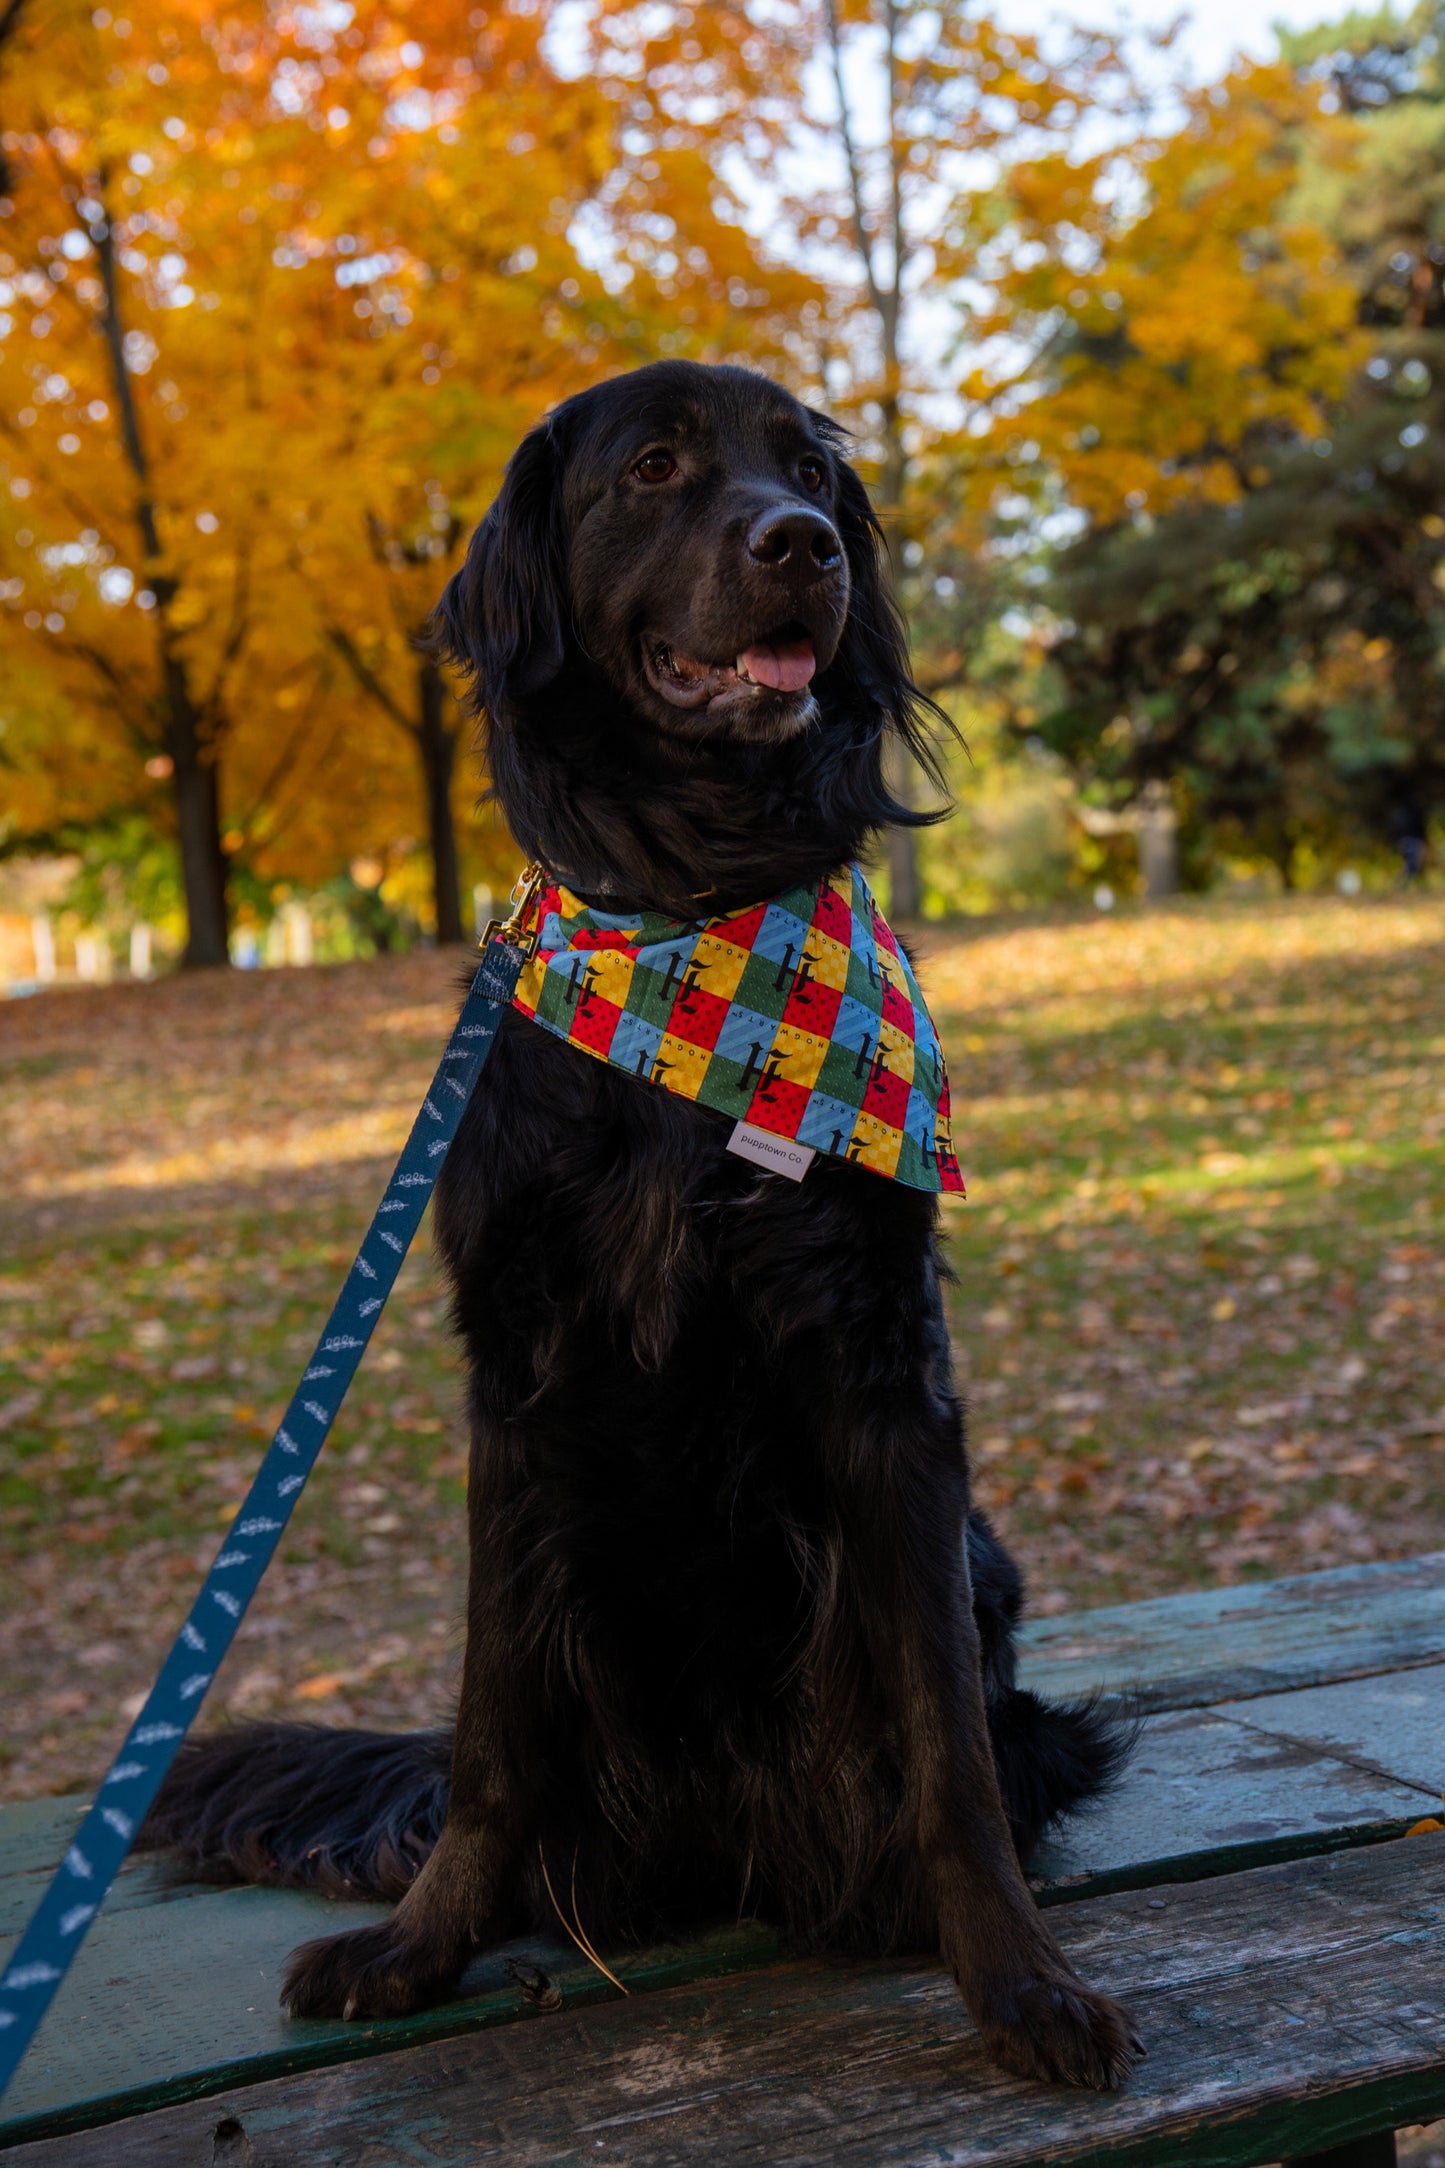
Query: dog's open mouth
point(783, 663)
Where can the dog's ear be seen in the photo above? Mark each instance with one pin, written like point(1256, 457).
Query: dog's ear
point(503, 616)
point(872, 658)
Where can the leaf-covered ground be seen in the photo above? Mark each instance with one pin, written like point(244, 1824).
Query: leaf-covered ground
point(1200, 1295)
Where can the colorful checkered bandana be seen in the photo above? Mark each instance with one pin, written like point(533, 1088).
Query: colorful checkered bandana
point(801, 1017)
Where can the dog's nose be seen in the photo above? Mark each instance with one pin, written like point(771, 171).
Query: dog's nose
point(794, 540)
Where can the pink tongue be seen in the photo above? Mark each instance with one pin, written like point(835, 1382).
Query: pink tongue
point(786, 667)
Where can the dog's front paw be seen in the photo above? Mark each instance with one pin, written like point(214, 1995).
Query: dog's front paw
point(370, 1972)
point(1054, 2028)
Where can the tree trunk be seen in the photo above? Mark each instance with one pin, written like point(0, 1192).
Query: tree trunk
point(1158, 833)
point(196, 774)
point(905, 888)
point(438, 749)
point(203, 860)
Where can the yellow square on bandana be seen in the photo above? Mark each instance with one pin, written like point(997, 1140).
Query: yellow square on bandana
point(900, 1049)
point(826, 958)
point(609, 973)
point(800, 1055)
point(679, 1066)
point(881, 1143)
point(722, 965)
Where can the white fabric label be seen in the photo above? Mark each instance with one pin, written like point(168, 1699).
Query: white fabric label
point(780, 1155)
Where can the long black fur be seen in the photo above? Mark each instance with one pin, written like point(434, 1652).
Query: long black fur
point(736, 1640)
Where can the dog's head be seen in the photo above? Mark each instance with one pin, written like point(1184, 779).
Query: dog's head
point(685, 552)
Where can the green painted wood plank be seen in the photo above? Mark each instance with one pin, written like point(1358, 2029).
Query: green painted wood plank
point(1394, 1724)
point(33, 1836)
point(167, 2004)
point(34, 1833)
point(1207, 1796)
point(1287, 2010)
point(1265, 1637)
point(145, 1884)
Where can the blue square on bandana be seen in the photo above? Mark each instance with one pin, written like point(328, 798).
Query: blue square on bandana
point(624, 922)
point(853, 1024)
point(658, 977)
point(634, 1044)
point(669, 959)
point(780, 932)
point(921, 1119)
point(825, 1119)
point(742, 1030)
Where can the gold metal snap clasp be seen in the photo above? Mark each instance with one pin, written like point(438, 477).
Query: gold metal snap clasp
point(513, 929)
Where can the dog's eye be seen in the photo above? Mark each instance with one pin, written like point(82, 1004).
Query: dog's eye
point(655, 467)
point(810, 473)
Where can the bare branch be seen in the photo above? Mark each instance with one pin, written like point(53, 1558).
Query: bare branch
point(236, 633)
point(850, 156)
point(285, 761)
point(367, 679)
point(72, 501)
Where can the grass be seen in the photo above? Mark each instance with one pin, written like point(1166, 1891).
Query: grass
point(1199, 1298)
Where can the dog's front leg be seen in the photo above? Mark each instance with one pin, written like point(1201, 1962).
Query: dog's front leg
point(904, 1492)
point(460, 1898)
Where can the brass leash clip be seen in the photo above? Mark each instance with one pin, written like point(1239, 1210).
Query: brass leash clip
point(513, 929)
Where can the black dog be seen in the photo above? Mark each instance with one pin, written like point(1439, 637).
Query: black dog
point(735, 1641)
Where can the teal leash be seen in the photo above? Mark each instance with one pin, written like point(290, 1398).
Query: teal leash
point(81, 1882)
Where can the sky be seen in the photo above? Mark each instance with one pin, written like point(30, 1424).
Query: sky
point(1216, 31)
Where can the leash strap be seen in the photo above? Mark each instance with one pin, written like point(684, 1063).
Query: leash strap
point(93, 1861)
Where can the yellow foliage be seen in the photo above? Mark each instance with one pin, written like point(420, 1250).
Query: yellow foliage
point(1169, 305)
point(338, 251)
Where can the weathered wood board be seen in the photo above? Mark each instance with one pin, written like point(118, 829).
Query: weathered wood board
point(1394, 1724)
point(1286, 2009)
point(1265, 1637)
point(1206, 1794)
point(174, 1992)
point(171, 2001)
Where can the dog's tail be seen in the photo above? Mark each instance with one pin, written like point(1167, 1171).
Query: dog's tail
point(1054, 1756)
point(303, 1806)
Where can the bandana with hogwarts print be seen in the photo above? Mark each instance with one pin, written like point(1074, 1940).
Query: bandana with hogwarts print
point(801, 1017)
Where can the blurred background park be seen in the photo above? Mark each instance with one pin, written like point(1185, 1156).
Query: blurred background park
point(1144, 350)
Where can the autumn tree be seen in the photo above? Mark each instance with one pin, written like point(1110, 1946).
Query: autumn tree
point(952, 92)
point(1161, 308)
point(1271, 639)
point(866, 174)
point(278, 308)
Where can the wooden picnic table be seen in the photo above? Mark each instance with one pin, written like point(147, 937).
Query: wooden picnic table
point(1284, 1956)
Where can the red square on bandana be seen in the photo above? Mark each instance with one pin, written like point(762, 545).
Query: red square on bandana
point(887, 1097)
point(779, 1107)
point(814, 1007)
point(588, 938)
point(897, 1008)
point(743, 930)
point(833, 917)
point(698, 1018)
point(594, 1021)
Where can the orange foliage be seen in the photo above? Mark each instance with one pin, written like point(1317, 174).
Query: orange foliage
point(280, 286)
point(1167, 305)
point(344, 247)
